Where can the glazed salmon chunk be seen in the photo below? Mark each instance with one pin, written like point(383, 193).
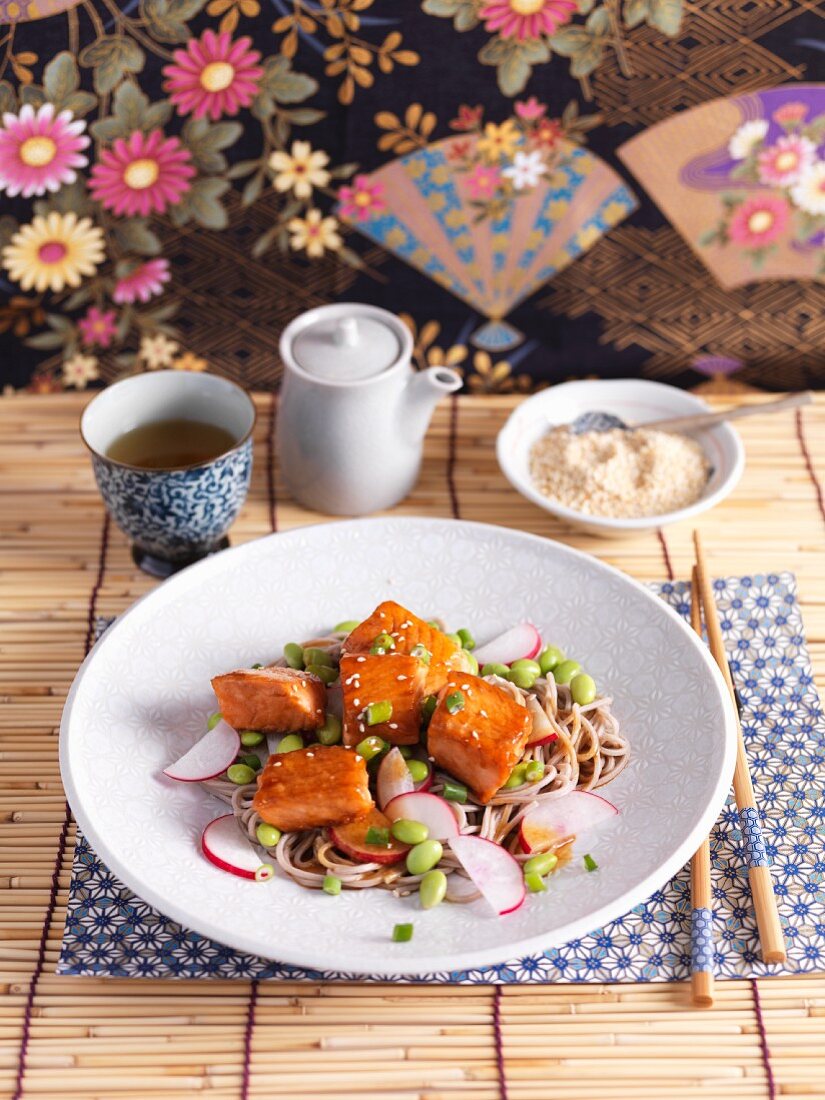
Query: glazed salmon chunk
point(309, 788)
point(271, 699)
point(395, 679)
point(478, 733)
point(407, 632)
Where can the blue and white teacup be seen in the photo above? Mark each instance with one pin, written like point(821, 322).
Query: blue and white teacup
point(173, 516)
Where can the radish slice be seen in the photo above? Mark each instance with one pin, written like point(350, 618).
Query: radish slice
point(571, 815)
point(209, 757)
point(543, 732)
point(224, 844)
point(517, 642)
point(393, 778)
point(272, 740)
point(494, 871)
point(429, 809)
point(352, 839)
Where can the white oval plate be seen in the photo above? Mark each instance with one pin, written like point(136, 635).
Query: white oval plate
point(142, 696)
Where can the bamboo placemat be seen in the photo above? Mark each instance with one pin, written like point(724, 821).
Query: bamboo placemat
point(63, 565)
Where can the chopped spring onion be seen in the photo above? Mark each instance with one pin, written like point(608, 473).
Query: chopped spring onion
point(534, 882)
point(332, 885)
point(325, 673)
point(422, 653)
point(378, 712)
point(402, 933)
point(252, 760)
point(428, 705)
point(382, 644)
point(377, 835)
point(472, 662)
point(589, 863)
point(516, 777)
point(454, 702)
point(371, 747)
point(454, 792)
point(258, 665)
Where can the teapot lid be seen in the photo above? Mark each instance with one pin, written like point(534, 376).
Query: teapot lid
point(346, 343)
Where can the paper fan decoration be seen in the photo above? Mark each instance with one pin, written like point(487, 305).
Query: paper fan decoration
point(743, 180)
point(489, 238)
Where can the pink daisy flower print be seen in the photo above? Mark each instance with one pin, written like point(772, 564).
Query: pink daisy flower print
point(213, 76)
point(759, 221)
point(98, 326)
point(530, 109)
point(143, 283)
point(39, 151)
point(523, 19)
point(483, 181)
point(362, 200)
point(784, 162)
point(142, 175)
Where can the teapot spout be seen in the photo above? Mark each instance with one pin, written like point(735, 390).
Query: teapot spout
point(423, 392)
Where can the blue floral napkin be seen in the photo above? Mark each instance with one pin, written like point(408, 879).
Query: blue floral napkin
point(111, 932)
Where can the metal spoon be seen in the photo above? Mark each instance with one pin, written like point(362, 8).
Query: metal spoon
point(605, 422)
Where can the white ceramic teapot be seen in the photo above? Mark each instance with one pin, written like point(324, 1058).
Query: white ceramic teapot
point(353, 412)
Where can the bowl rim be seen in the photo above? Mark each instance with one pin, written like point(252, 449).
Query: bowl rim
point(466, 958)
point(505, 451)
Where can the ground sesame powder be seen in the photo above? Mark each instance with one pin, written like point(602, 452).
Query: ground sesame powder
point(624, 474)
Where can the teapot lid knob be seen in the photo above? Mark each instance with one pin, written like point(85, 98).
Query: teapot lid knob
point(345, 333)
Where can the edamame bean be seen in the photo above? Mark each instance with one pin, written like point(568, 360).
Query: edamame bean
point(314, 655)
point(528, 665)
point(535, 883)
point(467, 640)
point(290, 743)
point(371, 747)
point(533, 771)
point(330, 732)
point(325, 673)
point(542, 864)
point(432, 889)
point(563, 673)
point(251, 738)
point(294, 655)
point(409, 832)
point(213, 720)
point(521, 677)
point(376, 713)
point(268, 836)
point(516, 777)
point(549, 657)
point(493, 668)
point(418, 770)
point(424, 856)
point(346, 627)
point(583, 689)
point(240, 774)
point(472, 661)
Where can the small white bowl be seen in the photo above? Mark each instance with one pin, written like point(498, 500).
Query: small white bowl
point(636, 402)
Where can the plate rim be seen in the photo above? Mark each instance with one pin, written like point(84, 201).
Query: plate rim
point(422, 965)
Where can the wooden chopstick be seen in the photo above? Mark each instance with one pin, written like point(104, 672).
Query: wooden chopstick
point(759, 873)
point(701, 911)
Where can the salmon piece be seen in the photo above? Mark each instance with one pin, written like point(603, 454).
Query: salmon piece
point(271, 699)
point(482, 742)
point(407, 631)
point(310, 788)
point(367, 678)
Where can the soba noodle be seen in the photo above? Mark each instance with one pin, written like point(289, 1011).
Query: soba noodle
point(588, 752)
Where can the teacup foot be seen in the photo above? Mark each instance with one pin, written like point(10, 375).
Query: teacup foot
point(162, 567)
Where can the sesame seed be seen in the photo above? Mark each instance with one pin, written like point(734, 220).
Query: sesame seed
point(361, 727)
point(393, 725)
point(360, 660)
point(351, 679)
point(475, 734)
point(356, 702)
point(358, 757)
point(465, 687)
point(310, 755)
point(484, 713)
point(277, 764)
point(401, 677)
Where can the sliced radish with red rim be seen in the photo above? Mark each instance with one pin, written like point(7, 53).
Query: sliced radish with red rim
point(429, 809)
point(569, 816)
point(225, 845)
point(393, 778)
point(494, 871)
point(519, 641)
point(207, 758)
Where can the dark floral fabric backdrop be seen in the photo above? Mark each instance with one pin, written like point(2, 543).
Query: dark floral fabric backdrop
point(543, 188)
